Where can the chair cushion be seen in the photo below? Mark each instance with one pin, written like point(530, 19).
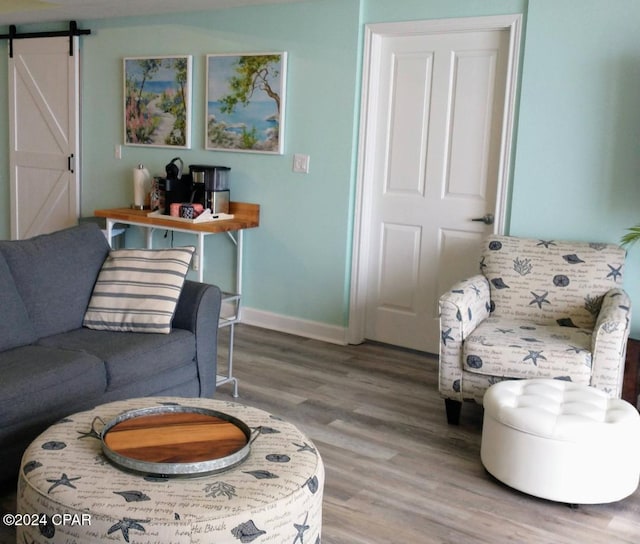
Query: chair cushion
point(524, 349)
point(54, 274)
point(16, 328)
point(550, 281)
point(138, 290)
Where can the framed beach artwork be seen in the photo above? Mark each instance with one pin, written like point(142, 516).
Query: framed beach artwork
point(157, 101)
point(245, 102)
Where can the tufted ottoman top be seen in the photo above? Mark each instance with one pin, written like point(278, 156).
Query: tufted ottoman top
point(560, 410)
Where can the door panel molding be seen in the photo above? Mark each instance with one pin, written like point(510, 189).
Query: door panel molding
point(367, 161)
point(400, 243)
point(27, 80)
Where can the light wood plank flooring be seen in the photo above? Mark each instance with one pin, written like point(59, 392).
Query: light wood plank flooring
point(395, 471)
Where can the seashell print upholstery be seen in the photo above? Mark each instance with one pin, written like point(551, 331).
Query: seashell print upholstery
point(274, 495)
point(538, 309)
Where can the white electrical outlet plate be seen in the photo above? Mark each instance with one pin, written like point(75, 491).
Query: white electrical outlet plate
point(118, 151)
point(301, 163)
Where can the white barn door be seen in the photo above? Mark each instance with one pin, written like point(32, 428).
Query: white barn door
point(44, 141)
point(434, 159)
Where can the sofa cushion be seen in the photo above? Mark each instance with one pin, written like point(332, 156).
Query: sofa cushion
point(40, 379)
point(15, 327)
point(177, 382)
point(138, 289)
point(130, 357)
point(54, 274)
point(524, 349)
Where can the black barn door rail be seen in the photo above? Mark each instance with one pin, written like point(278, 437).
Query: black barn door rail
point(73, 31)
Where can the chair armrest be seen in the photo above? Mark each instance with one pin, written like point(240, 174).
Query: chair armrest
point(465, 306)
point(462, 309)
point(198, 311)
point(609, 342)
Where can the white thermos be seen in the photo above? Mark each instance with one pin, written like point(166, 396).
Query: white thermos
point(141, 186)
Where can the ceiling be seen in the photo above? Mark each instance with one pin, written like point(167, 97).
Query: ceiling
point(15, 12)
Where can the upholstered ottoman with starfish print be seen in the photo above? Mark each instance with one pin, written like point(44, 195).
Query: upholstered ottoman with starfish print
point(71, 493)
point(561, 441)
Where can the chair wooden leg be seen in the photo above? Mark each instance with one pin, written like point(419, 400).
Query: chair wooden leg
point(453, 408)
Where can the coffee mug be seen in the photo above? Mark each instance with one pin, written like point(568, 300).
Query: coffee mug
point(174, 209)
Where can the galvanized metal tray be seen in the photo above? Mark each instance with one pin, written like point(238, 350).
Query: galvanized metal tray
point(175, 440)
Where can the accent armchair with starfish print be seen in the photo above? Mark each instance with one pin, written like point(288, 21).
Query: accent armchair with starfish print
point(538, 309)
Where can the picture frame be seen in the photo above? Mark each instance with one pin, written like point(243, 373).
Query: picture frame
point(157, 101)
point(245, 102)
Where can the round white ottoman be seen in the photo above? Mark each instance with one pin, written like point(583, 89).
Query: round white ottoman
point(275, 495)
point(561, 441)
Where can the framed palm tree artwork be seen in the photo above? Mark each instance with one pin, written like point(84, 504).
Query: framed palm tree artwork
point(245, 102)
point(157, 101)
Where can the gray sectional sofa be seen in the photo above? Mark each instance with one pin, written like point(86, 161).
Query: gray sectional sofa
point(51, 366)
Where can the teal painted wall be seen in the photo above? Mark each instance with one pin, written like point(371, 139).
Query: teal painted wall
point(576, 168)
point(295, 261)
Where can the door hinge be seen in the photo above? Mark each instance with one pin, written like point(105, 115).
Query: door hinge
point(71, 163)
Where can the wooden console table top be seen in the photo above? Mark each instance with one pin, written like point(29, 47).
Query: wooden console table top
point(246, 216)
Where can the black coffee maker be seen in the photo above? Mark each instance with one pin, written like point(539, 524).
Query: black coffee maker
point(210, 187)
point(177, 187)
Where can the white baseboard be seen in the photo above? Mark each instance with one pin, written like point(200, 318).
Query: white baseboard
point(291, 325)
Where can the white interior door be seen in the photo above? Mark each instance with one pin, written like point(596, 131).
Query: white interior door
point(434, 160)
point(43, 120)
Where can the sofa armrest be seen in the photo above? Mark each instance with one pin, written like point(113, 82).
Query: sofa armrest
point(198, 311)
point(609, 342)
point(462, 309)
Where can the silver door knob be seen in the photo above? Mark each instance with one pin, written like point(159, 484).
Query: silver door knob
point(487, 219)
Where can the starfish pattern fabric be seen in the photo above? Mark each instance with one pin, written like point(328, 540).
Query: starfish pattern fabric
point(274, 495)
point(538, 308)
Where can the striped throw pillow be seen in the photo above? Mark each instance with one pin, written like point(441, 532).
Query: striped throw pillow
point(138, 289)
